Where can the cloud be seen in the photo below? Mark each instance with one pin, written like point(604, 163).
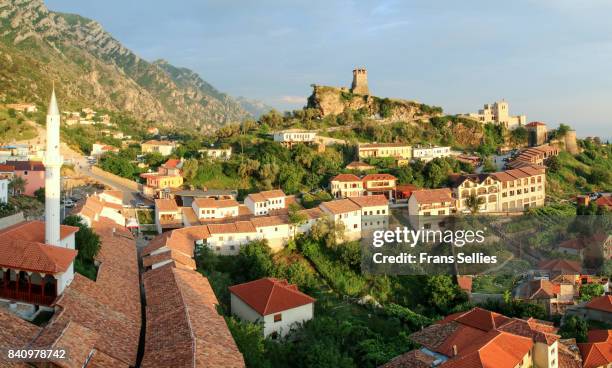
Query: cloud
point(293, 99)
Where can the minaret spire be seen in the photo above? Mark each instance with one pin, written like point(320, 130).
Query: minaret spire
point(53, 165)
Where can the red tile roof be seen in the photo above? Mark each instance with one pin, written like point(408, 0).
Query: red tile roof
point(465, 283)
point(371, 177)
point(183, 326)
point(411, 359)
point(597, 352)
point(602, 303)
point(166, 205)
point(561, 265)
point(429, 196)
point(215, 203)
point(604, 201)
point(269, 295)
point(33, 256)
point(26, 165)
point(346, 178)
point(370, 201)
point(33, 231)
point(339, 206)
point(535, 123)
point(172, 163)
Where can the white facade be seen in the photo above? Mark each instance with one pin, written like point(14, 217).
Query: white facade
point(259, 204)
point(228, 244)
point(429, 153)
point(215, 209)
point(295, 136)
point(285, 320)
point(217, 153)
point(351, 221)
point(4, 190)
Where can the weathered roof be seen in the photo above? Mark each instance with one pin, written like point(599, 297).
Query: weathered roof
point(183, 326)
point(340, 206)
point(269, 295)
point(370, 201)
point(429, 196)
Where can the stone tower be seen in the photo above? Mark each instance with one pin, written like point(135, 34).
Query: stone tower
point(53, 164)
point(537, 133)
point(360, 82)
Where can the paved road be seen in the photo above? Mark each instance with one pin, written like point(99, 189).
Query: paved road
point(129, 196)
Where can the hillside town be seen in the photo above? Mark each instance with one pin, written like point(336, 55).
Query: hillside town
point(57, 293)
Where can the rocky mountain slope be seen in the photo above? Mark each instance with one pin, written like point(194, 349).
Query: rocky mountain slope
point(91, 68)
point(335, 100)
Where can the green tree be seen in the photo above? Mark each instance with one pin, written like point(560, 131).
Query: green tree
point(590, 291)
point(190, 169)
point(574, 327)
point(17, 185)
point(250, 341)
point(474, 202)
point(86, 240)
point(441, 291)
point(255, 261)
point(296, 219)
point(40, 194)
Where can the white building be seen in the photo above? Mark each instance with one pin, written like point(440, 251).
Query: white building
point(346, 212)
point(346, 186)
point(374, 212)
point(292, 136)
point(167, 215)
point(98, 149)
point(427, 207)
point(429, 153)
point(275, 229)
point(277, 304)
point(263, 202)
point(226, 239)
point(210, 208)
point(498, 113)
point(217, 153)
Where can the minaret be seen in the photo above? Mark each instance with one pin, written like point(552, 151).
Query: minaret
point(53, 164)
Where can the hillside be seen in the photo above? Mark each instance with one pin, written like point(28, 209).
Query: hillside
point(91, 68)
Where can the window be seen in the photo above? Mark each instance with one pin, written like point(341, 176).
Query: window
point(354, 226)
point(278, 317)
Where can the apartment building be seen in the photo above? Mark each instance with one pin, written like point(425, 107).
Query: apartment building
point(533, 156)
point(346, 185)
point(226, 239)
point(395, 150)
point(428, 207)
point(346, 212)
point(263, 202)
point(505, 191)
point(217, 153)
point(374, 212)
point(384, 184)
point(153, 146)
point(167, 215)
point(290, 137)
point(210, 208)
point(275, 229)
point(429, 153)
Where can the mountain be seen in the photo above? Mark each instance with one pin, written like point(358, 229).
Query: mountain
point(254, 107)
point(91, 68)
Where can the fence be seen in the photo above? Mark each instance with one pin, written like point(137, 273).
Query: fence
point(11, 220)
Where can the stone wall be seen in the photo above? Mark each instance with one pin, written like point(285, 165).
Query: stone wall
point(11, 220)
point(123, 181)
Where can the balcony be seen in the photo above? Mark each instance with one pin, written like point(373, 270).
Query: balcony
point(32, 294)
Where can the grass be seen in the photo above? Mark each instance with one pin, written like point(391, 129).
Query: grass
point(14, 128)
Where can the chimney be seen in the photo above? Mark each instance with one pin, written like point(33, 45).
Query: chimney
point(454, 350)
point(114, 231)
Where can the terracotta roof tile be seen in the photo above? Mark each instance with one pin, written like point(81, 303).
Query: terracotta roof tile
point(33, 231)
point(215, 203)
point(371, 177)
point(166, 205)
point(33, 256)
point(602, 303)
point(269, 295)
point(411, 359)
point(340, 206)
point(429, 196)
point(265, 221)
point(346, 178)
point(370, 201)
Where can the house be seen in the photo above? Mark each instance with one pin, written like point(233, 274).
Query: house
point(374, 212)
point(480, 338)
point(597, 309)
point(427, 206)
point(226, 239)
point(345, 212)
point(4, 183)
point(152, 131)
point(404, 191)
point(597, 351)
point(210, 208)
point(533, 156)
point(346, 185)
point(359, 166)
point(398, 151)
point(263, 202)
point(430, 152)
point(555, 267)
point(290, 137)
point(217, 153)
point(484, 187)
point(275, 229)
point(380, 184)
point(101, 205)
point(553, 296)
point(167, 177)
point(98, 149)
point(167, 215)
point(277, 304)
point(33, 172)
point(186, 197)
point(164, 148)
point(604, 201)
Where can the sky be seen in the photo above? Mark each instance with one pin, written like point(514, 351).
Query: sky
point(550, 59)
